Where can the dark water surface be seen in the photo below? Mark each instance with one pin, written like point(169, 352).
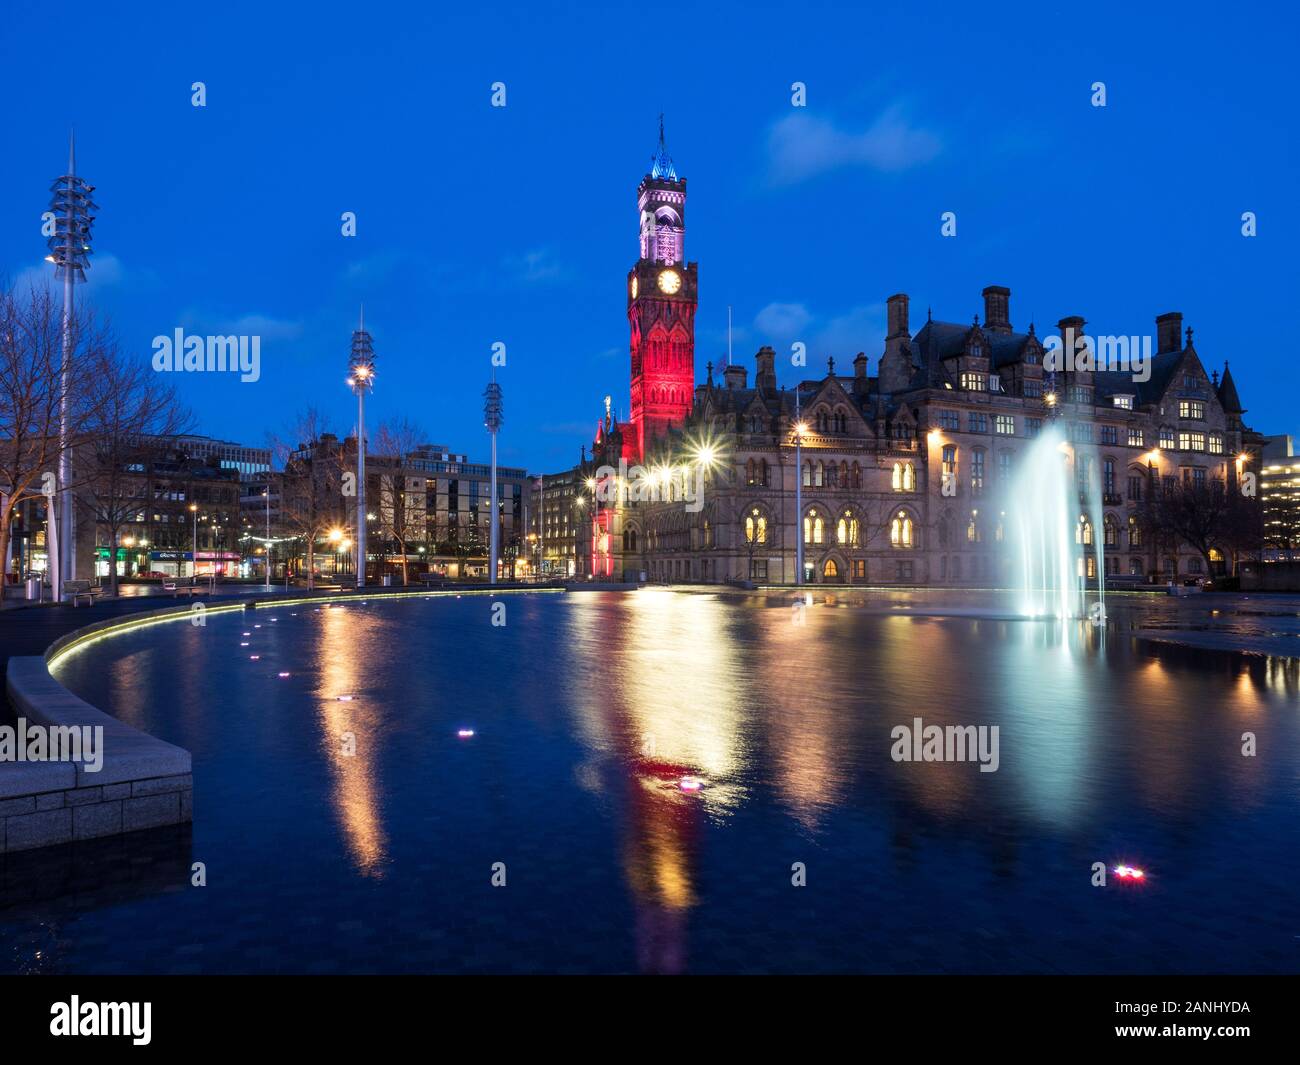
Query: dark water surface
point(589, 709)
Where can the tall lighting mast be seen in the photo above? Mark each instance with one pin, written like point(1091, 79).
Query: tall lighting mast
point(69, 244)
point(361, 377)
point(492, 419)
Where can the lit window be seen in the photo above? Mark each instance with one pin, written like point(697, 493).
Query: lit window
point(900, 530)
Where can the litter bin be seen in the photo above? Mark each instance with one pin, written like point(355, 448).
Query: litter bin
point(33, 587)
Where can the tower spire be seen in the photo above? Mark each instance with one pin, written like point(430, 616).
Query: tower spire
point(72, 152)
point(663, 162)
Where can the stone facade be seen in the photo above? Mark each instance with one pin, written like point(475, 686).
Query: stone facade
point(904, 474)
point(898, 477)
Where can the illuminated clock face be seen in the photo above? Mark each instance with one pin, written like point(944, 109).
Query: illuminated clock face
point(670, 281)
point(634, 287)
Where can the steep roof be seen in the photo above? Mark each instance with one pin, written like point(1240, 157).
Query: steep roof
point(1228, 393)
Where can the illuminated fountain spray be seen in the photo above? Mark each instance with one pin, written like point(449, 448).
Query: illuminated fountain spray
point(1055, 516)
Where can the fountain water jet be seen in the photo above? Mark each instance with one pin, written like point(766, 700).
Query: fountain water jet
point(1056, 519)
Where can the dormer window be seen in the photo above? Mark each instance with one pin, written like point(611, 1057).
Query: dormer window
point(973, 382)
point(1123, 402)
point(976, 351)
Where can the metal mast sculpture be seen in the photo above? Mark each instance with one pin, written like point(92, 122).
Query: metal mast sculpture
point(492, 409)
point(69, 244)
point(361, 365)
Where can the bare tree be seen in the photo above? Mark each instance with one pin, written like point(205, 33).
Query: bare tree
point(38, 386)
point(1205, 516)
point(135, 407)
point(402, 515)
point(313, 482)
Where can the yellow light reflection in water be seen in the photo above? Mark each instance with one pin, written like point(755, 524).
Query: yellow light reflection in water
point(340, 658)
point(807, 729)
point(664, 700)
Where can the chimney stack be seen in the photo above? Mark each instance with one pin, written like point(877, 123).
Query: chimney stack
point(896, 364)
point(897, 316)
point(997, 309)
point(765, 373)
point(1169, 332)
point(860, 383)
point(735, 376)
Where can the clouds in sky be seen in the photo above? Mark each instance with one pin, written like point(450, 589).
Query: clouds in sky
point(802, 146)
point(840, 335)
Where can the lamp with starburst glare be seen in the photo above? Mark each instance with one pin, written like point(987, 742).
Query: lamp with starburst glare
point(361, 377)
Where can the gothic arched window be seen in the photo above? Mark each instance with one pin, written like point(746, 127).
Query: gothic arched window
point(900, 530)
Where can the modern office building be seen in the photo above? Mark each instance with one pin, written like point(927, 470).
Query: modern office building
point(1279, 488)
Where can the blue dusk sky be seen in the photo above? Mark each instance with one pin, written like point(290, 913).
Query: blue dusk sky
point(478, 224)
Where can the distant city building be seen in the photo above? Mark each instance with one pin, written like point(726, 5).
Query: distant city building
point(248, 462)
point(164, 535)
point(559, 527)
point(430, 508)
point(1279, 487)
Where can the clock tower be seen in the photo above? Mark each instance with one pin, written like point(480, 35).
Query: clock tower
point(661, 298)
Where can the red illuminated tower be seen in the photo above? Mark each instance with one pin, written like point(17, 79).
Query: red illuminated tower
point(661, 298)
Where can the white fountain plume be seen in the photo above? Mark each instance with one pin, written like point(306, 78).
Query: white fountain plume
point(1054, 514)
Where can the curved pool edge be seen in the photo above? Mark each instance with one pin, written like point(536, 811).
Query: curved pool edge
point(124, 780)
point(135, 781)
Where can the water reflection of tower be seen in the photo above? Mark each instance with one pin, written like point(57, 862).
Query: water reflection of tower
point(659, 850)
point(649, 735)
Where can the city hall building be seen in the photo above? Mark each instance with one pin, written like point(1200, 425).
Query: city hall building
point(905, 462)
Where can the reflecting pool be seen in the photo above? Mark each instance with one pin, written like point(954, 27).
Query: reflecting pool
point(651, 766)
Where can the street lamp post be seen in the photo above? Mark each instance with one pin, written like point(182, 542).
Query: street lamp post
point(72, 210)
point(798, 492)
point(267, 493)
point(194, 547)
point(362, 377)
point(492, 419)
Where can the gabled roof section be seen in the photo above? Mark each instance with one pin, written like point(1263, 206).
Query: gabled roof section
point(1228, 393)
